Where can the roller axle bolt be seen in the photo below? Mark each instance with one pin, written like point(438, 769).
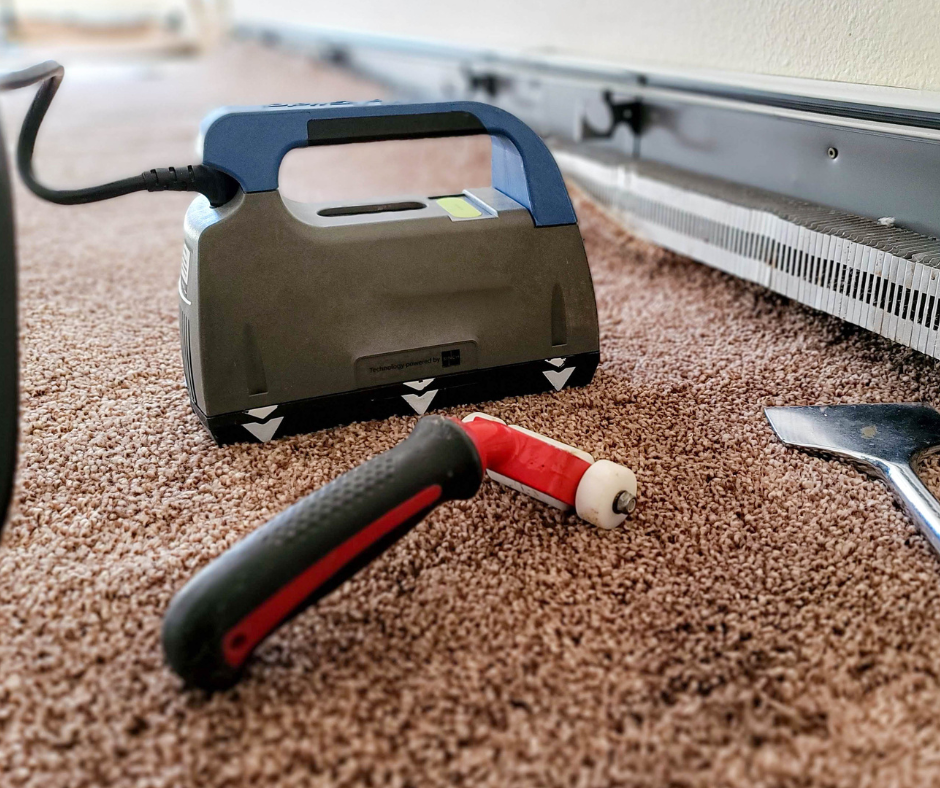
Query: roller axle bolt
point(624, 503)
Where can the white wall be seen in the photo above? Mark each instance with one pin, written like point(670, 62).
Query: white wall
point(96, 10)
point(878, 42)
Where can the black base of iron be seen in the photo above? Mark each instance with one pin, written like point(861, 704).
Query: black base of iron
point(381, 402)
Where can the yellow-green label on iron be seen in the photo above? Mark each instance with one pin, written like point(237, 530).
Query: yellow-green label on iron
point(458, 207)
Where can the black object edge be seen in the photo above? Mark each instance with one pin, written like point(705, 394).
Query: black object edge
point(9, 375)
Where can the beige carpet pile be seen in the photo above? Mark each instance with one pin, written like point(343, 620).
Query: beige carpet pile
point(765, 619)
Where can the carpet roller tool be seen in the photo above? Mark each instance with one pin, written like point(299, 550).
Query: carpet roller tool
point(295, 316)
point(217, 620)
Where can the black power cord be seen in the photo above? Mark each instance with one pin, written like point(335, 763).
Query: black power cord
point(218, 187)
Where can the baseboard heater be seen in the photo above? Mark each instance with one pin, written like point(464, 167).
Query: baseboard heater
point(823, 192)
point(871, 274)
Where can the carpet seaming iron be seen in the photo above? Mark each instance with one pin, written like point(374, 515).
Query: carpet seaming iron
point(296, 316)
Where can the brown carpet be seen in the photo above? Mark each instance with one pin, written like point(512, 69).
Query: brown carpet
point(766, 618)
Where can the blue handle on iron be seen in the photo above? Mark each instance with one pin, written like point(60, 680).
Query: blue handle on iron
point(249, 143)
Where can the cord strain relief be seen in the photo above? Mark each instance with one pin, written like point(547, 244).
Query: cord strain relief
point(170, 179)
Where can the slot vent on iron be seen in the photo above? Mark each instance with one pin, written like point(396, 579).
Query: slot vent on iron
point(385, 207)
point(187, 353)
point(255, 379)
point(559, 317)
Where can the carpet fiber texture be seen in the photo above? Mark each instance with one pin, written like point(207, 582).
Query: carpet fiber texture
point(766, 618)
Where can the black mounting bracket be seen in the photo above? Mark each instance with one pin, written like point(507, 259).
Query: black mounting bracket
point(628, 113)
point(491, 84)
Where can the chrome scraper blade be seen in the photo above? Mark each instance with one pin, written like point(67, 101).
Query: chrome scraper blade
point(865, 433)
point(885, 441)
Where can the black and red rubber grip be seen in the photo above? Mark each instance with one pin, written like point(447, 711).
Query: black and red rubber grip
point(216, 621)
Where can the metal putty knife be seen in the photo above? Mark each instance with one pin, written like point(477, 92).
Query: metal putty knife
point(885, 441)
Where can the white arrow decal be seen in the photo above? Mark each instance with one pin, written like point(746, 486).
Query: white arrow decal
point(419, 385)
point(262, 413)
point(555, 362)
point(559, 378)
point(264, 432)
point(420, 404)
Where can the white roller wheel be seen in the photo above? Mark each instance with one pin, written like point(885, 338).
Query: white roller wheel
point(599, 490)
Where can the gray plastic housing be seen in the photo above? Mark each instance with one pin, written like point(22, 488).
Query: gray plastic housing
point(280, 303)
